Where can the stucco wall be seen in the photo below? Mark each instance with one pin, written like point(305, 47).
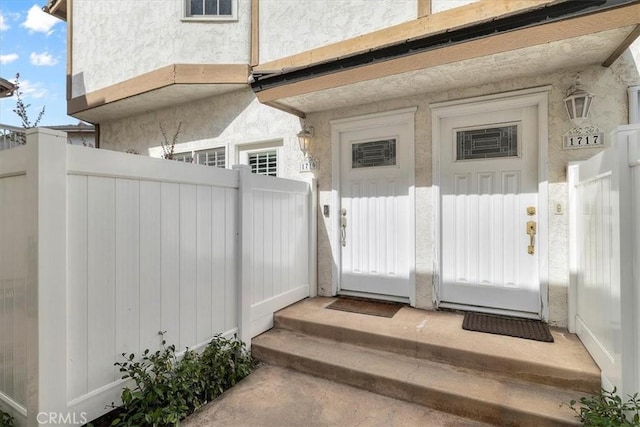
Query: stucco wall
point(237, 118)
point(441, 5)
point(288, 27)
point(232, 119)
point(115, 40)
point(609, 110)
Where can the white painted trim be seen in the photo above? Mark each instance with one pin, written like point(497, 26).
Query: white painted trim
point(494, 96)
point(518, 99)
point(477, 309)
point(573, 176)
point(339, 126)
point(351, 123)
point(634, 104)
point(241, 152)
point(210, 18)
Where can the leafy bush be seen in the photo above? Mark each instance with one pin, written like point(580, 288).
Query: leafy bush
point(168, 388)
point(6, 420)
point(607, 409)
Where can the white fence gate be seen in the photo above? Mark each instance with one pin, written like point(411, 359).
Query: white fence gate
point(100, 251)
point(605, 258)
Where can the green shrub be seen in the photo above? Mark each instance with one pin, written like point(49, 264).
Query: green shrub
point(607, 409)
point(168, 388)
point(6, 420)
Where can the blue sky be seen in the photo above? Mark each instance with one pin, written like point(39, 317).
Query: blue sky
point(34, 44)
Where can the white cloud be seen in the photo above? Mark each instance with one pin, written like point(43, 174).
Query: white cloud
point(39, 21)
point(3, 24)
point(8, 58)
point(42, 59)
point(32, 90)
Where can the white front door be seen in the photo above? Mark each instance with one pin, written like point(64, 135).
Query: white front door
point(489, 201)
point(376, 240)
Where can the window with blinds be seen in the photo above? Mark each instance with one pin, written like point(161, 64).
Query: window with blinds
point(183, 157)
point(264, 162)
point(216, 157)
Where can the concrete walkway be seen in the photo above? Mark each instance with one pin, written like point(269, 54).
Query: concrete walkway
point(279, 397)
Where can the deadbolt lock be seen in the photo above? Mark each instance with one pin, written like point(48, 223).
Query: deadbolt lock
point(531, 210)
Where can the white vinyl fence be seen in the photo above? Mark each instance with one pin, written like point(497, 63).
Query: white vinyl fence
point(100, 251)
point(605, 258)
point(11, 136)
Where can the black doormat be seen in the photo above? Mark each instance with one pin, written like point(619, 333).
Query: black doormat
point(366, 306)
point(510, 326)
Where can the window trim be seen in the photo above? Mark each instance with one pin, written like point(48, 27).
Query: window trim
point(634, 105)
point(210, 18)
point(243, 151)
point(194, 153)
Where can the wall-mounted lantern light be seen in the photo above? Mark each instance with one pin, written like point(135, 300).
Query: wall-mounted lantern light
point(304, 140)
point(583, 135)
point(578, 103)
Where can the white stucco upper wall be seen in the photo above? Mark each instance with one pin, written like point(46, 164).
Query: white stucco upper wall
point(442, 5)
point(288, 27)
point(115, 40)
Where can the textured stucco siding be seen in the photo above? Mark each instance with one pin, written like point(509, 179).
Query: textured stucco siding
point(288, 27)
point(442, 5)
point(610, 109)
point(238, 118)
point(233, 120)
point(116, 40)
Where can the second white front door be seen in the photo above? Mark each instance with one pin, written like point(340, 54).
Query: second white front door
point(489, 205)
point(376, 209)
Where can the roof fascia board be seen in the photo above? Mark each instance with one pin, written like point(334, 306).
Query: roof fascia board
point(478, 12)
point(499, 43)
point(160, 78)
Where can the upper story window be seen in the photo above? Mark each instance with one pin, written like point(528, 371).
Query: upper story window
point(212, 9)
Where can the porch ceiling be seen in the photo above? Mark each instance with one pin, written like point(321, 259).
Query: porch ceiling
point(574, 52)
point(164, 97)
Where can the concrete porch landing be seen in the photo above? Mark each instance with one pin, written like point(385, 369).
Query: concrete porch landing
point(439, 336)
point(427, 358)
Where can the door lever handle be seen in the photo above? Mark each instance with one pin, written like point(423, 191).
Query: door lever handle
point(531, 231)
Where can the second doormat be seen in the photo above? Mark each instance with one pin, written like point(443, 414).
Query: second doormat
point(365, 306)
point(513, 327)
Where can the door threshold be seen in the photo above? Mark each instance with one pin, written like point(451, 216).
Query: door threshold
point(489, 310)
point(404, 300)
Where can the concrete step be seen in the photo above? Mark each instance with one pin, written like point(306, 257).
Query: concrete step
point(471, 393)
point(439, 337)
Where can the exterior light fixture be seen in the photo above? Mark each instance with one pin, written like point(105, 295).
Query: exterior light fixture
point(583, 135)
point(304, 140)
point(578, 103)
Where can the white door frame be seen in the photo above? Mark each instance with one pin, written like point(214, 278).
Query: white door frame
point(534, 97)
point(404, 116)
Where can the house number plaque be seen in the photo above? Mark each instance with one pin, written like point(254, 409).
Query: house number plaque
point(583, 138)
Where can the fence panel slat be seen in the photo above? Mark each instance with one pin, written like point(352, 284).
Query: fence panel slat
point(127, 264)
point(101, 282)
point(204, 263)
point(77, 224)
point(170, 262)
point(150, 265)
